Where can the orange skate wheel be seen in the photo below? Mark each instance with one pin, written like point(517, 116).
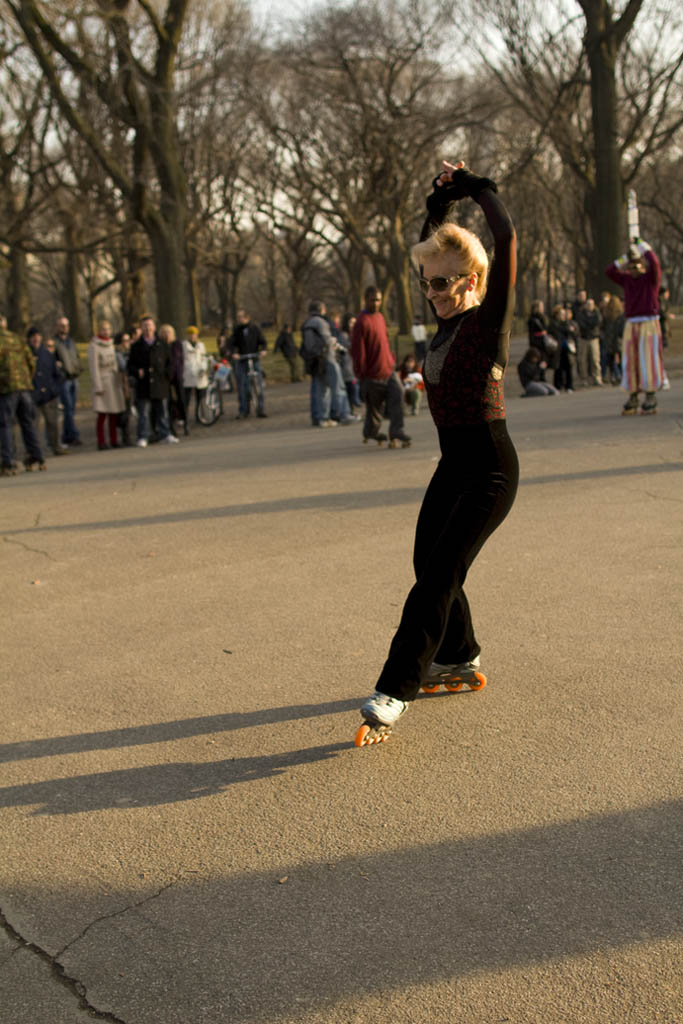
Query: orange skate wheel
point(361, 739)
point(478, 682)
point(453, 685)
point(431, 687)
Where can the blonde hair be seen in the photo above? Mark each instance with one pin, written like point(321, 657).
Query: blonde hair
point(452, 239)
point(166, 332)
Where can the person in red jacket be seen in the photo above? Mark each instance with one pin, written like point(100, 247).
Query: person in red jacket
point(639, 274)
point(375, 367)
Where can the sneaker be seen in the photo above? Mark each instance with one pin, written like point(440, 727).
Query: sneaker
point(349, 419)
point(142, 442)
point(383, 709)
point(171, 439)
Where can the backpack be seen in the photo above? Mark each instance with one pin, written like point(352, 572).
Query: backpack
point(312, 350)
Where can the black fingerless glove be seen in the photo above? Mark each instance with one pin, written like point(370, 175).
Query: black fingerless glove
point(462, 185)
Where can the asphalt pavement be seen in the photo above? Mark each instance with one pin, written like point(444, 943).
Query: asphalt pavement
point(189, 836)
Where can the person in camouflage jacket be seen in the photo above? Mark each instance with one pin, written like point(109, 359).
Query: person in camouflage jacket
point(17, 365)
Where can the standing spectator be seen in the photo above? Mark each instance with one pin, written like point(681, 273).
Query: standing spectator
point(70, 368)
point(589, 322)
point(122, 343)
point(108, 400)
point(195, 372)
point(346, 362)
point(247, 340)
point(149, 365)
point(579, 302)
point(374, 365)
point(419, 335)
point(613, 323)
point(47, 386)
point(17, 367)
point(639, 274)
point(664, 315)
point(176, 405)
point(285, 343)
point(563, 332)
point(329, 400)
point(538, 327)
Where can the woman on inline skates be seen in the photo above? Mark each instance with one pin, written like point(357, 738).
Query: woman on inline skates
point(475, 482)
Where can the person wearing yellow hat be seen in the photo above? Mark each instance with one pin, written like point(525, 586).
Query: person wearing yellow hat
point(195, 369)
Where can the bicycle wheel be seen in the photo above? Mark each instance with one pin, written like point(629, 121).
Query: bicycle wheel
point(210, 407)
point(253, 388)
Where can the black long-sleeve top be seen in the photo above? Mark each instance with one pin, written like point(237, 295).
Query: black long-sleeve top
point(466, 360)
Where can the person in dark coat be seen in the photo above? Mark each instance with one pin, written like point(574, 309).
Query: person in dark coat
point(530, 370)
point(285, 343)
point(149, 365)
point(246, 342)
point(47, 387)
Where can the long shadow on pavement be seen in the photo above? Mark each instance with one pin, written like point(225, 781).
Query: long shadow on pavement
point(347, 500)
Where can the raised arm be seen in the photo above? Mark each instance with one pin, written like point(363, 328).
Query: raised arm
point(497, 307)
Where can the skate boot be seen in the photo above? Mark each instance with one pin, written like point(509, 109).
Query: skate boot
point(30, 463)
point(379, 713)
point(379, 438)
point(649, 406)
point(400, 441)
point(631, 407)
point(10, 470)
point(454, 677)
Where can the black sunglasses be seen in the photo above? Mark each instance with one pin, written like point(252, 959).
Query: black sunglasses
point(438, 284)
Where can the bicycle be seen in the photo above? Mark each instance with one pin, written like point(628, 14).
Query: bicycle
point(211, 406)
point(252, 360)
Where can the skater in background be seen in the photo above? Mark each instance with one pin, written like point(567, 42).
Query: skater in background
point(639, 274)
point(122, 343)
point(375, 367)
point(475, 482)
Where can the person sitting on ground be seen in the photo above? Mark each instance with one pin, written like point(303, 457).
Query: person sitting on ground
point(413, 383)
point(530, 369)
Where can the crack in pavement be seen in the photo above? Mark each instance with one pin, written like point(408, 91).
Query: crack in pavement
point(75, 987)
point(37, 551)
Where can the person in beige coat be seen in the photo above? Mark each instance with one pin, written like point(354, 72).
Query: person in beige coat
point(108, 397)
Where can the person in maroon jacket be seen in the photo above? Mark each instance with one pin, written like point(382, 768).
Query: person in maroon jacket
point(639, 274)
point(375, 367)
point(475, 482)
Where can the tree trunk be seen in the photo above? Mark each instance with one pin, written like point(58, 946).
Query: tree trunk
point(71, 289)
point(18, 307)
point(170, 276)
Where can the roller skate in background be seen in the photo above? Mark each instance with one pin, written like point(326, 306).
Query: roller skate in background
point(379, 713)
point(379, 438)
point(454, 677)
point(400, 441)
point(631, 406)
point(649, 406)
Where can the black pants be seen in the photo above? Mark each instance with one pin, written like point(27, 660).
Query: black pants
point(468, 497)
point(383, 397)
